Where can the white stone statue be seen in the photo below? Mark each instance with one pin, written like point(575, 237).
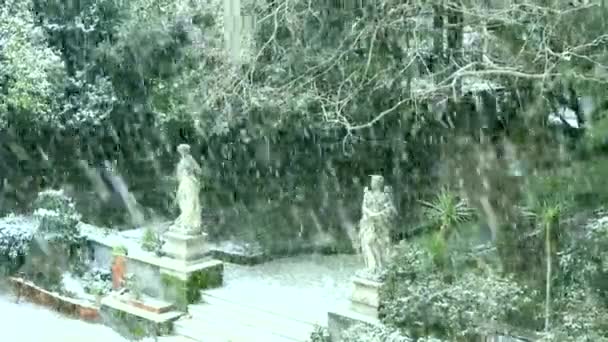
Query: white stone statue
point(378, 216)
point(188, 175)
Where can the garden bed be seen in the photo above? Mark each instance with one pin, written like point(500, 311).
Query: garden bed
point(68, 306)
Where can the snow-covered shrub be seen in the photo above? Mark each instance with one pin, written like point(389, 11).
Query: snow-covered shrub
point(97, 281)
point(579, 318)
point(421, 300)
point(319, 334)
point(580, 310)
point(31, 72)
point(16, 233)
point(151, 241)
point(120, 250)
point(58, 218)
point(463, 307)
point(584, 263)
point(411, 261)
point(72, 286)
point(370, 333)
point(57, 242)
point(578, 315)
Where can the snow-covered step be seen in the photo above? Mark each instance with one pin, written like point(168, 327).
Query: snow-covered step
point(154, 317)
point(203, 329)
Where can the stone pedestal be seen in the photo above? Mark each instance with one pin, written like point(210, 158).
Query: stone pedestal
point(365, 298)
point(362, 308)
point(189, 269)
point(185, 247)
point(183, 282)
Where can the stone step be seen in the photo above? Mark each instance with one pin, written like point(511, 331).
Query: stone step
point(151, 316)
point(289, 329)
point(222, 329)
point(126, 318)
point(147, 303)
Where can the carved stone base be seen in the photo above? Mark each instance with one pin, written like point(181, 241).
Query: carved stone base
point(365, 298)
point(185, 247)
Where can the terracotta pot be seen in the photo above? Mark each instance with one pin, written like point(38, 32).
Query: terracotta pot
point(119, 271)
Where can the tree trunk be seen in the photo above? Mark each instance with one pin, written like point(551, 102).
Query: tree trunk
point(438, 27)
point(548, 285)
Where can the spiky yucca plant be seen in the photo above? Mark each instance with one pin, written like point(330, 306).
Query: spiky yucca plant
point(447, 211)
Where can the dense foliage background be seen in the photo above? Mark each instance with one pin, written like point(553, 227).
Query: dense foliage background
point(487, 117)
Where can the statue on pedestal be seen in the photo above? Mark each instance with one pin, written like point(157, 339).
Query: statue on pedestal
point(378, 216)
point(188, 175)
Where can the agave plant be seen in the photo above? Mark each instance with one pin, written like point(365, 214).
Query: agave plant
point(447, 211)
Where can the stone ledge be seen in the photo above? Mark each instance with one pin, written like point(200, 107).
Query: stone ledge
point(151, 316)
point(147, 303)
point(239, 258)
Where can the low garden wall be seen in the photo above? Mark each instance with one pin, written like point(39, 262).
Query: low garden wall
point(65, 305)
point(154, 273)
point(147, 272)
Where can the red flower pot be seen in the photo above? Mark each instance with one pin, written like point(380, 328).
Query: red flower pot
point(119, 271)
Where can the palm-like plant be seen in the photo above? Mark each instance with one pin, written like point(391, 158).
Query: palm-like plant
point(447, 211)
point(547, 217)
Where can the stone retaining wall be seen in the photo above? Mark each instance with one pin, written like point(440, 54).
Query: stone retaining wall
point(56, 302)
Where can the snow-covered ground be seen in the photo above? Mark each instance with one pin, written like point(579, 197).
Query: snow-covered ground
point(28, 322)
point(304, 287)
